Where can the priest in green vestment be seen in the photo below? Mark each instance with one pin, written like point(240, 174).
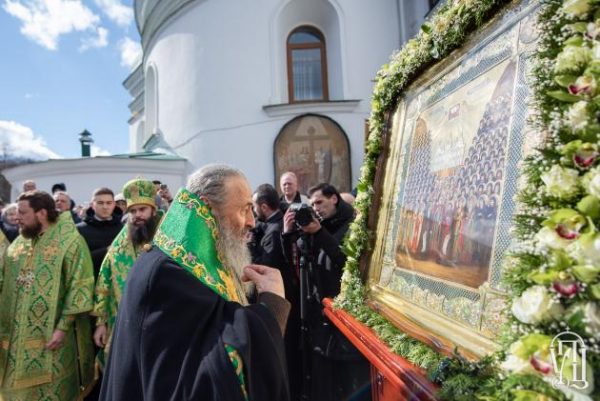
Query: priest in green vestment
point(46, 287)
point(141, 224)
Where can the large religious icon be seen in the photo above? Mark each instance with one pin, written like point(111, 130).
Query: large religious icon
point(316, 149)
point(447, 189)
point(454, 180)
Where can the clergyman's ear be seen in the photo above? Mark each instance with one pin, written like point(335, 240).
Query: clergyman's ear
point(42, 213)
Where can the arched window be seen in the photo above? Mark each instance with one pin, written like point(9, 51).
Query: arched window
point(307, 65)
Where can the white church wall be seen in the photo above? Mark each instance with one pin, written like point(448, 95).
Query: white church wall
point(316, 13)
point(218, 64)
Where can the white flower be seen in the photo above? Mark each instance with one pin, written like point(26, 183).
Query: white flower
point(517, 365)
point(548, 238)
point(578, 115)
point(572, 58)
point(561, 182)
point(593, 29)
point(586, 250)
point(576, 8)
point(535, 305)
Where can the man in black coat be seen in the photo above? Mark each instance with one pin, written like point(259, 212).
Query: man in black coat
point(101, 225)
point(337, 368)
point(267, 249)
point(185, 330)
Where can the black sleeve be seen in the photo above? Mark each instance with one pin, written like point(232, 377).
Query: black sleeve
point(272, 250)
point(331, 245)
point(169, 341)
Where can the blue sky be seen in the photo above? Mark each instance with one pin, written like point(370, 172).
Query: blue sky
point(62, 67)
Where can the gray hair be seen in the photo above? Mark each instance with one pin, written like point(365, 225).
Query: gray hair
point(209, 181)
point(57, 193)
point(7, 209)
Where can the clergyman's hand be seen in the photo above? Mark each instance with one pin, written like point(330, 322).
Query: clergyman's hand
point(100, 336)
point(58, 337)
point(266, 279)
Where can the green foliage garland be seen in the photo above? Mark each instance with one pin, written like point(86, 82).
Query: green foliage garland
point(554, 275)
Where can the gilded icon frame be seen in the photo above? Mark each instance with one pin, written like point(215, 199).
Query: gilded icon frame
point(429, 285)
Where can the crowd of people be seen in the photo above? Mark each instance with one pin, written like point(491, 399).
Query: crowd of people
point(214, 292)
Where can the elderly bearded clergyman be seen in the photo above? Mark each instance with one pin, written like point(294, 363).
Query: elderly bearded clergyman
point(185, 330)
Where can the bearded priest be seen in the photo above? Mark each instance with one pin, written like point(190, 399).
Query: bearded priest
point(135, 237)
point(46, 287)
point(185, 329)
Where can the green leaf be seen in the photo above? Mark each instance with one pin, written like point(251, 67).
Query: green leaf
point(574, 41)
point(593, 68)
point(580, 27)
point(594, 291)
point(527, 395)
point(563, 96)
point(559, 260)
point(589, 206)
point(576, 320)
point(565, 80)
point(532, 343)
point(426, 28)
point(586, 273)
point(571, 147)
point(543, 278)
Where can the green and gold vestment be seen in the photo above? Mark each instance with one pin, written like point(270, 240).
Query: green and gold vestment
point(115, 267)
point(188, 234)
point(46, 284)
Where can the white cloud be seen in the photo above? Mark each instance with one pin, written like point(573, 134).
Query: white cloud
point(131, 53)
point(98, 151)
point(30, 96)
point(99, 41)
point(19, 141)
point(120, 14)
point(44, 21)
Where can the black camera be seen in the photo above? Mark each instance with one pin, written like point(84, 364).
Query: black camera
point(303, 213)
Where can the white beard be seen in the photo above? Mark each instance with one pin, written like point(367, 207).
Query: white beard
point(232, 247)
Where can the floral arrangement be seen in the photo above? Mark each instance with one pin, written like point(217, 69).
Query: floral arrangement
point(553, 275)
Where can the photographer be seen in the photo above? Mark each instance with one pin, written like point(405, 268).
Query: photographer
point(266, 249)
point(336, 368)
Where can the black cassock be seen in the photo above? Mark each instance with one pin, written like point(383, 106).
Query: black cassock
point(168, 343)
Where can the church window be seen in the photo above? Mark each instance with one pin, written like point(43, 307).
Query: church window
point(307, 65)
